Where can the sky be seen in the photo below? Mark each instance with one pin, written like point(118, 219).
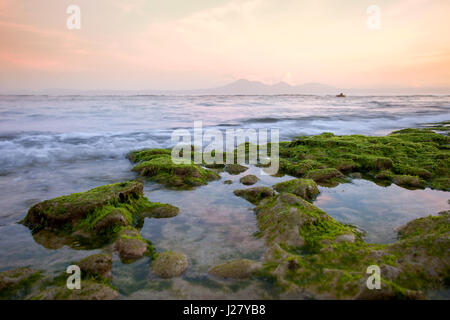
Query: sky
point(194, 44)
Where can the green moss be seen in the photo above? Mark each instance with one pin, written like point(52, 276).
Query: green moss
point(254, 195)
point(17, 283)
point(160, 168)
point(414, 152)
point(310, 250)
point(304, 188)
point(95, 217)
point(169, 264)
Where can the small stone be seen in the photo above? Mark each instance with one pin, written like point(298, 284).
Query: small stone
point(249, 179)
point(130, 245)
point(228, 182)
point(98, 264)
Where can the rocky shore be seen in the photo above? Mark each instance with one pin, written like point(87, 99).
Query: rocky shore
point(308, 253)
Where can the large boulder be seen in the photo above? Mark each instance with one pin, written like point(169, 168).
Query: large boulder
point(93, 218)
point(157, 164)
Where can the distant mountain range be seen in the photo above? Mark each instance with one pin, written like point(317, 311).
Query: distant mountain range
point(246, 87)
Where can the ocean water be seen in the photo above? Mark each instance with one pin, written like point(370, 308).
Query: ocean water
point(56, 145)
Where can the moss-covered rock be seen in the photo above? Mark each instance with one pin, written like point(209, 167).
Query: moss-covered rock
point(90, 290)
point(235, 168)
point(93, 218)
point(324, 175)
point(310, 253)
point(254, 195)
point(16, 283)
point(131, 246)
point(228, 182)
point(412, 152)
point(169, 264)
point(304, 188)
point(236, 269)
point(409, 181)
point(158, 166)
point(248, 180)
point(97, 265)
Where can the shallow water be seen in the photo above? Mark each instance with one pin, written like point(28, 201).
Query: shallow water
point(51, 146)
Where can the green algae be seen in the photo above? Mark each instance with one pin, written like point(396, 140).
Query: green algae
point(254, 195)
point(158, 166)
point(94, 218)
point(17, 283)
point(305, 188)
point(169, 264)
point(419, 153)
point(310, 252)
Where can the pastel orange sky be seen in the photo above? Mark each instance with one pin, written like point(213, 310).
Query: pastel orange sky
point(189, 44)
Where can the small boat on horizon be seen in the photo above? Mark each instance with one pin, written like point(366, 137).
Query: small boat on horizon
point(341, 95)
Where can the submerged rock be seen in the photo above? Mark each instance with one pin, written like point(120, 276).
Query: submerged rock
point(235, 168)
point(90, 290)
point(15, 283)
point(236, 269)
point(228, 182)
point(305, 188)
point(157, 164)
point(249, 179)
point(324, 175)
point(97, 265)
point(254, 195)
point(93, 218)
point(169, 264)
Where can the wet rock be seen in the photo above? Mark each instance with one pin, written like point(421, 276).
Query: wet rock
point(409, 181)
point(305, 188)
point(355, 175)
point(249, 179)
point(169, 264)
point(236, 269)
point(160, 168)
point(254, 195)
point(97, 265)
point(90, 290)
point(130, 245)
point(93, 218)
point(235, 168)
point(324, 175)
point(228, 182)
point(15, 283)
